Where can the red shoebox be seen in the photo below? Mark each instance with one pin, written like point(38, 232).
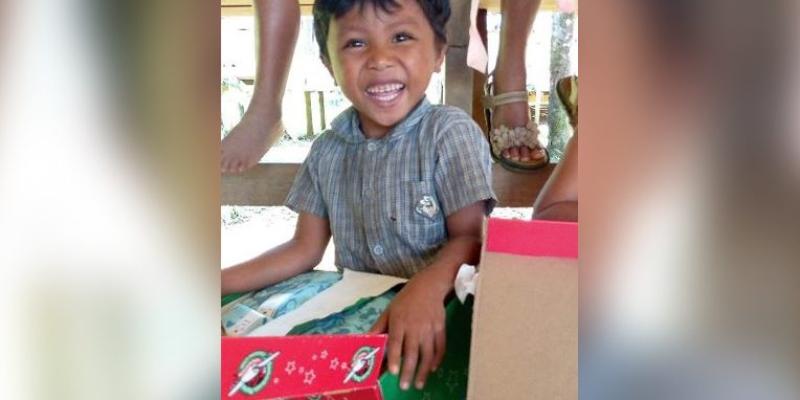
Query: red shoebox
point(344, 367)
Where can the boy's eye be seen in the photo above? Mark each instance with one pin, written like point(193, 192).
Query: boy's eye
point(402, 37)
point(354, 43)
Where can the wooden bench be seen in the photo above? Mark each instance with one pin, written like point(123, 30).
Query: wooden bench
point(268, 184)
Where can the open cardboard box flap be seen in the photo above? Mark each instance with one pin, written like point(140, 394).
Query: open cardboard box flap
point(525, 321)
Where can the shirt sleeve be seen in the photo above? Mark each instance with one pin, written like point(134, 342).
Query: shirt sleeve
point(305, 194)
point(463, 172)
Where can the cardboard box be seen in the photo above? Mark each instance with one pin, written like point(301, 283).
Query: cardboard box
point(525, 321)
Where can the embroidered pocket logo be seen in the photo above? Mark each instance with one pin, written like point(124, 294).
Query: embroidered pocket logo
point(427, 207)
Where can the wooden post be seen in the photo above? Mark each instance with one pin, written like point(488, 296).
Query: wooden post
point(457, 75)
point(322, 125)
point(309, 122)
point(478, 78)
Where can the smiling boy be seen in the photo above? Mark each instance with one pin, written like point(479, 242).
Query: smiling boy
point(403, 186)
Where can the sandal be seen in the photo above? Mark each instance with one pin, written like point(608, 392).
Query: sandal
point(503, 137)
point(567, 90)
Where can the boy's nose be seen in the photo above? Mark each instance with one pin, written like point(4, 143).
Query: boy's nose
point(380, 58)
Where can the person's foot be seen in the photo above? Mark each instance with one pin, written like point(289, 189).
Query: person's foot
point(247, 142)
point(511, 78)
point(516, 115)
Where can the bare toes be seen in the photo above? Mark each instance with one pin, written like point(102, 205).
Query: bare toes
point(524, 154)
point(539, 154)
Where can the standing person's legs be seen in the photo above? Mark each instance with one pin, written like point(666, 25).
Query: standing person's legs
point(277, 27)
point(509, 72)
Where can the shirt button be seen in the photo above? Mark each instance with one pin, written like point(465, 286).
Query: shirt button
point(371, 146)
point(377, 250)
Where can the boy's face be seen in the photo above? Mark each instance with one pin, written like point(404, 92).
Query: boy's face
point(383, 62)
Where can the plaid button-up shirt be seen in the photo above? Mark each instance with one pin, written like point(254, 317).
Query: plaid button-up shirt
point(387, 199)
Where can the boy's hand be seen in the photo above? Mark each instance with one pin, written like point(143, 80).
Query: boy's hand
point(415, 321)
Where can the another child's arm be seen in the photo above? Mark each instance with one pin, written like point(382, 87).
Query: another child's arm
point(300, 254)
point(415, 320)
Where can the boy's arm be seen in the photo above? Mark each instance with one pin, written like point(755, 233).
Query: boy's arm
point(415, 319)
point(301, 253)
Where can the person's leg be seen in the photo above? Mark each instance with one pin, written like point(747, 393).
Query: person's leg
point(277, 27)
point(509, 72)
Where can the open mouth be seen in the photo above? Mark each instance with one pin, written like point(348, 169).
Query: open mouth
point(386, 92)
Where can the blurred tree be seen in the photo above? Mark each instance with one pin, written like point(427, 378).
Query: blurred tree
point(560, 44)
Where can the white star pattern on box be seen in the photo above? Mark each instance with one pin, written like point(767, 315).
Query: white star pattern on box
point(309, 377)
point(334, 363)
point(324, 354)
point(276, 381)
point(290, 367)
point(314, 357)
point(344, 366)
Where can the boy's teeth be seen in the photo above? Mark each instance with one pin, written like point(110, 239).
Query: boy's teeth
point(392, 87)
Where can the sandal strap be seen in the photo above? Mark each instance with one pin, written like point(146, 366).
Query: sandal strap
point(505, 98)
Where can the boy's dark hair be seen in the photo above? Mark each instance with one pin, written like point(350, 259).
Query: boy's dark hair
point(436, 11)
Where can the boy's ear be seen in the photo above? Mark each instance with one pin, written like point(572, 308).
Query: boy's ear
point(440, 58)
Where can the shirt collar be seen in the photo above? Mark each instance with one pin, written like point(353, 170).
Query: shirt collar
point(347, 126)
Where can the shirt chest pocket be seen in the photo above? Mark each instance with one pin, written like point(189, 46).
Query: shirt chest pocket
point(417, 215)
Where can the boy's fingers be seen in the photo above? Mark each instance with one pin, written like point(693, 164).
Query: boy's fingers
point(410, 355)
point(380, 324)
point(395, 346)
point(439, 344)
point(425, 364)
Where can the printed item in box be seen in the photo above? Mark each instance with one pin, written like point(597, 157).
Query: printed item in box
point(282, 297)
point(525, 321)
point(257, 308)
point(239, 319)
point(357, 318)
